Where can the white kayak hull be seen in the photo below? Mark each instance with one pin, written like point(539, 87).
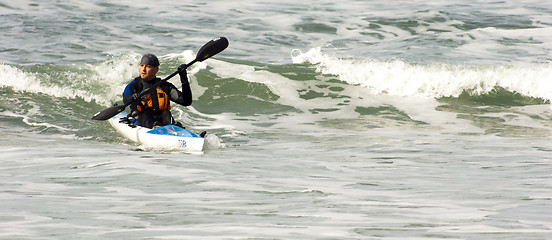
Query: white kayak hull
point(169, 138)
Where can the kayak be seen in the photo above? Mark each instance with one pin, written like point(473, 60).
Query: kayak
point(170, 137)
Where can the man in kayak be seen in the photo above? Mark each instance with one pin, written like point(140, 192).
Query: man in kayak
point(153, 109)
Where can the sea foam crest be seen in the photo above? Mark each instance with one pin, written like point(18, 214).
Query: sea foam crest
point(432, 81)
point(102, 82)
point(20, 81)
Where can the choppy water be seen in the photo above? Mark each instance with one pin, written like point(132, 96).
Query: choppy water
point(326, 120)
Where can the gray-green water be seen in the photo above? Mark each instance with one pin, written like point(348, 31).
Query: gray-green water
point(326, 120)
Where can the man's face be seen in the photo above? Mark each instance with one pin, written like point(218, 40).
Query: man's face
point(147, 72)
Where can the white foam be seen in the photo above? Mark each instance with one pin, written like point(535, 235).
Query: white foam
point(432, 81)
point(29, 82)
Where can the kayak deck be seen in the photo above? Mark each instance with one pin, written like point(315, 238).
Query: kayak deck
point(169, 138)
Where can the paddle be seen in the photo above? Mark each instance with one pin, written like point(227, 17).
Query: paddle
point(208, 50)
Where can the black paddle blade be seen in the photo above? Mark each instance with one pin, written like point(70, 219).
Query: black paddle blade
point(108, 113)
point(211, 48)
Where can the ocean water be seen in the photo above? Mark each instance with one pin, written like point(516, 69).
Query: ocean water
point(326, 120)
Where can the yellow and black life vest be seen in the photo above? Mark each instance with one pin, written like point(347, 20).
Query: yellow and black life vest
point(158, 101)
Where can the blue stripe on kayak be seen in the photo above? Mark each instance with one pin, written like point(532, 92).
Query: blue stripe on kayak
point(172, 130)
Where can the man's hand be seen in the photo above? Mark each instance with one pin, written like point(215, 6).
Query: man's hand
point(182, 69)
point(183, 73)
point(135, 96)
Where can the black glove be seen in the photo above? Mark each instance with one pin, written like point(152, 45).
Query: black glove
point(135, 96)
point(182, 69)
point(183, 73)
